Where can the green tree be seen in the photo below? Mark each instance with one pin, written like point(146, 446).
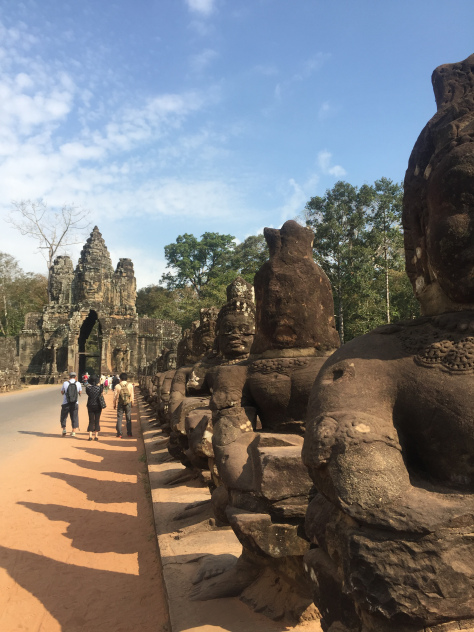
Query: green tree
point(385, 235)
point(338, 220)
point(201, 270)
point(250, 255)
point(179, 305)
point(359, 244)
point(196, 262)
point(20, 293)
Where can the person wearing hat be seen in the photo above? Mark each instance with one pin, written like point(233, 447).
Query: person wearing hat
point(71, 391)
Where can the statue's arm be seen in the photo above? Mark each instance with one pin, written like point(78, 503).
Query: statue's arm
point(178, 387)
point(353, 452)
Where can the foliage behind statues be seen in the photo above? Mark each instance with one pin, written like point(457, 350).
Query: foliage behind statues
point(359, 244)
point(199, 272)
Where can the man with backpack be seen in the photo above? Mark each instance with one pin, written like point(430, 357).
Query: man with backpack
point(71, 391)
point(123, 402)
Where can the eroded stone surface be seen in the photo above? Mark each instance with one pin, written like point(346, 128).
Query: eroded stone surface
point(53, 343)
point(390, 433)
point(10, 377)
point(267, 486)
point(233, 337)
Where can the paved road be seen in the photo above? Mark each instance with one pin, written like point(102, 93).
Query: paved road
point(77, 545)
point(26, 414)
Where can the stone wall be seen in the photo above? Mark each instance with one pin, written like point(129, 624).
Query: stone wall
point(9, 369)
point(91, 297)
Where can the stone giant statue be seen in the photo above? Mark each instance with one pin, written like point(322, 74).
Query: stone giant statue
point(390, 438)
point(259, 411)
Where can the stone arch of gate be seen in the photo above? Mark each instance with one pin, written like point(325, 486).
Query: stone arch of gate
point(90, 351)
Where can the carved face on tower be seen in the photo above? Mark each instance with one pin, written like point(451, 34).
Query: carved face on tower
point(90, 287)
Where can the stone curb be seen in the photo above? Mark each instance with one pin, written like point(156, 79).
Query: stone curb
point(185, 535)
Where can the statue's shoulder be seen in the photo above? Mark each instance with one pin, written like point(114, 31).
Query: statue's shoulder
point(387, 342)
point(408, 324)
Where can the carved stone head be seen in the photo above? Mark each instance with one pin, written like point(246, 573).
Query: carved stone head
point(438, 214)
point(205, 333)
point(295, 308)
point(235, 327)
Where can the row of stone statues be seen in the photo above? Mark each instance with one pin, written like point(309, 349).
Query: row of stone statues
point(379, 535)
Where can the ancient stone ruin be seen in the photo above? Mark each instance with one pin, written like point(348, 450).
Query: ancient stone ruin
point(379, 537)
point(91, 321)
point(259, 409)
point(233, 330)
point(10, 377)
point(390, 436)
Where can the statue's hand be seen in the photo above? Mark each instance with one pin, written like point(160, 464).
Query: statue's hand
point(356, 461)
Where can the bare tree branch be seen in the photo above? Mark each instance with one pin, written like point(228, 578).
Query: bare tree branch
point(53, 229)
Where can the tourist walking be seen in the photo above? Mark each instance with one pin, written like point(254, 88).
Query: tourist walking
point(123, 401)
point(71, 391)
point(94, 408)
point(115, 381)
point(106, 385)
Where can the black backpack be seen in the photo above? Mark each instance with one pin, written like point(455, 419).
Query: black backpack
point(71, 393)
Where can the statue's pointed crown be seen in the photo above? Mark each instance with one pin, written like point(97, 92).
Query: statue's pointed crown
point(95, 251)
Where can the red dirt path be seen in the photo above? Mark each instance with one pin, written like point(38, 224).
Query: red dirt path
point(77, 543)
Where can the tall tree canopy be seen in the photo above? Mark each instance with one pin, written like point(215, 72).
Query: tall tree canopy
point(200, 271)
point(196, 262)
point(359, 244)
point(250, 255)
point(20, 293)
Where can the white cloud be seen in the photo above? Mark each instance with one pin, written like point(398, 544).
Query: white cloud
point(202, 7)
point(63, 141)
point(306, 70)
point(296, 197)
point(267, 70)
point(310, 66)
point(34, 160)
point(296, 194)
point(326, 110)
point(324, 162)
point(202, 60)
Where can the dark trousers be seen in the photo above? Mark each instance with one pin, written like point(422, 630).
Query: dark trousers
point(94, 420)
point(73, 411)
point(128, 416)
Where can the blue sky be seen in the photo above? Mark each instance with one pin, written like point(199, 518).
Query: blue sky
point(209, 115)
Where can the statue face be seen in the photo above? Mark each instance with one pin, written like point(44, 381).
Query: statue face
point(206, 342)
point(236, 333)
point(171, 361)
point(450, 225)
point(90, 288)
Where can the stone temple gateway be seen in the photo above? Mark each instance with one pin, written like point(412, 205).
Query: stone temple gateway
point(91, 322)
